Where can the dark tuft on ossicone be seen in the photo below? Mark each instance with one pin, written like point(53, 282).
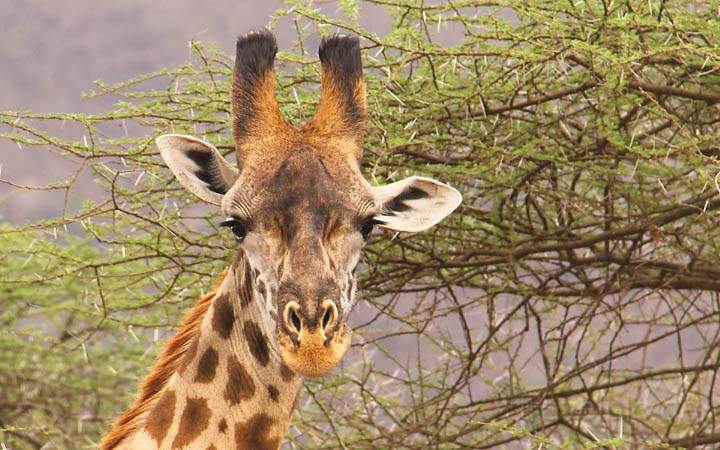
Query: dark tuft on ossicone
point(341, 54)
point(340, 57)
point(255, 54)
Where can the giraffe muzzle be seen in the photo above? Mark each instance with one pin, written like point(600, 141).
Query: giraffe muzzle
point(313, 346)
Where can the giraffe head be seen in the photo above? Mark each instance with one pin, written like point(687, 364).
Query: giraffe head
point(298, 204)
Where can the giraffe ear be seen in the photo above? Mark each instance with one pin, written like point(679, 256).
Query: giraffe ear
point(198, 166)
point(415, 203)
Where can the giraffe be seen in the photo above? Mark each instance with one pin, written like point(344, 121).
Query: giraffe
point(301, 212)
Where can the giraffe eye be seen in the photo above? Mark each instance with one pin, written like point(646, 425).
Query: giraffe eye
point(367, 227)
point(238, 228)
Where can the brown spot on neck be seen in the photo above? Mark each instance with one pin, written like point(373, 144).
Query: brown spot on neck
point(222, 426)
point(240, 385)
point(223, 316)
point(273, 392)
point(193, 422)
point(255, 434)
point(286, 373)
point(257, 343)
point(160, 418)
point(246, 288)
point(207, 366)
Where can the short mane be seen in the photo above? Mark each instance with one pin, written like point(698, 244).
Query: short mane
point(164, 368)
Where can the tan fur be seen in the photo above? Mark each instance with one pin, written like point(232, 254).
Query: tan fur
point(165, 367)
point(313, 358)
point(235, 382)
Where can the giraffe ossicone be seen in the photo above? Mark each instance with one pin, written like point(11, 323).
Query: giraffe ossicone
point(301, 212)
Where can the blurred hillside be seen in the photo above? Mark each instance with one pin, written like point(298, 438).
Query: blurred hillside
point(54, 51)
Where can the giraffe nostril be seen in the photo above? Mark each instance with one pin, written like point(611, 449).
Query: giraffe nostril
point(295, 320)
point(326, 318)
point(291, 317)
point(329, 315)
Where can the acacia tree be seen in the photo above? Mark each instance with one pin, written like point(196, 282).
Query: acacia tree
point(571, 302)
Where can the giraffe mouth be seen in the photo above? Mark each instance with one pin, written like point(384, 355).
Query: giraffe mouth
point(312, 354)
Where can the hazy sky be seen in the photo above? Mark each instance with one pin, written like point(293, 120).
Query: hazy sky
point(53, 51)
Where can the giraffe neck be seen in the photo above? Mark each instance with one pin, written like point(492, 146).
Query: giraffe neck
point(231, 389)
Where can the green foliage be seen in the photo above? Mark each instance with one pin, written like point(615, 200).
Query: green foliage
point(572, 301)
